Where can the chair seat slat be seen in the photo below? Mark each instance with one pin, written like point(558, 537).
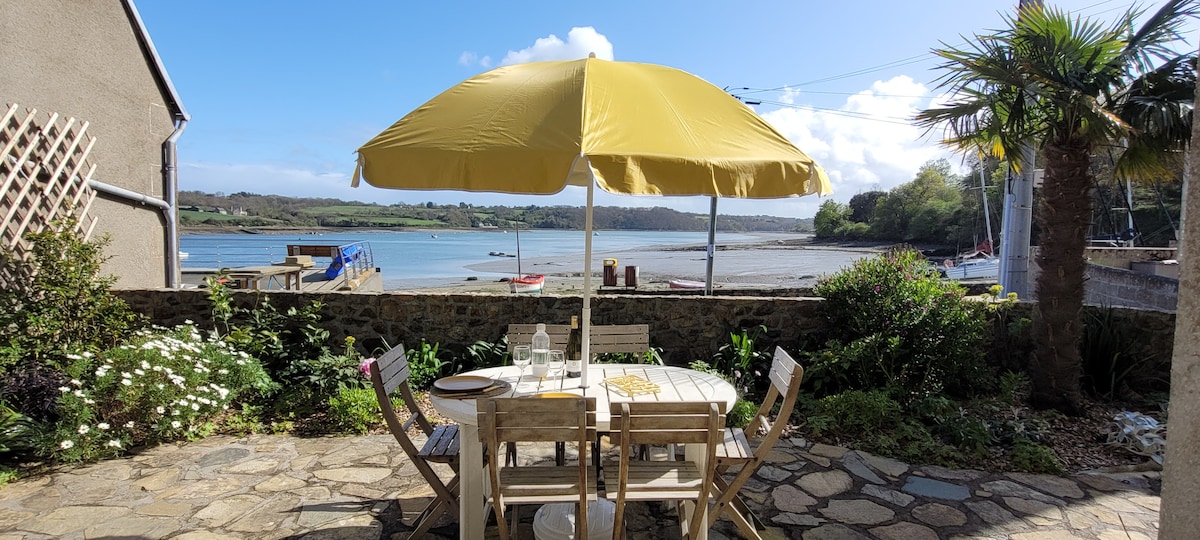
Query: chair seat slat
point(734, 446)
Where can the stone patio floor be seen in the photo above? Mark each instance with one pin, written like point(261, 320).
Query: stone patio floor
point(277, 486)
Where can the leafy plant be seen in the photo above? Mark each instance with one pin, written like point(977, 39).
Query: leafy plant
point(162, 385)
point(891, 322)
point(652, 356)
point(19, 434)
point(485, 354)
point(354, 410)
point(1035, 458)
point(56, 300)
point(424, 365)
point(743, 361)
point(741, 414)
point(1111, 366)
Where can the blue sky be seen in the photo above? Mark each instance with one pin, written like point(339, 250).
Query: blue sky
point(282, 93)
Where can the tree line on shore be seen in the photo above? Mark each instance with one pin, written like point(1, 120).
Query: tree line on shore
point(940, 207)
point(254, 210)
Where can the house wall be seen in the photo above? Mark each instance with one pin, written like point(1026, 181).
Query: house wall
point(82, 59)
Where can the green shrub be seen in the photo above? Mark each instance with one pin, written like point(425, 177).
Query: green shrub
point(424, 365)
point(744, 361)
point(485, 354)
point(891, 322)
point(354, 410)
point(309, 383)
point(857, 412)
point(56, 301)
point(1112, 368)
point(741, 414)
point(162, 385)
point(19, 434)
point(1035, 458)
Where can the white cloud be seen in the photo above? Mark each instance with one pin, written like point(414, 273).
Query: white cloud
point(867, 143)
point(470, 58)
point(581, 41)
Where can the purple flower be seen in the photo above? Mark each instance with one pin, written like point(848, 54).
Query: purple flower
point(365, 366)
point(878, 288)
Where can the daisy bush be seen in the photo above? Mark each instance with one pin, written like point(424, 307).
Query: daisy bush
point(163, 384)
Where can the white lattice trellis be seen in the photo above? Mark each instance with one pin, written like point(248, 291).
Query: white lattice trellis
point(44, 169)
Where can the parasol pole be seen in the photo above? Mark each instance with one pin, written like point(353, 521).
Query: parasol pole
point(586, 331)
point(712, 246)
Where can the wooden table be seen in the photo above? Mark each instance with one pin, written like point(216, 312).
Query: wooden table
point(677, 384)
point(249, 277)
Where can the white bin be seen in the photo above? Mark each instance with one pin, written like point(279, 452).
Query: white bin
point(557, 521)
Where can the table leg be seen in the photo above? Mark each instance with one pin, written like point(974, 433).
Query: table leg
point(471, 481)
point(697, 453)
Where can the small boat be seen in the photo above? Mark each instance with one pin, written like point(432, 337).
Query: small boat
point(433, 235)
point(685, 284)
point(496, 253)
point(971, 269)
point(529, 283)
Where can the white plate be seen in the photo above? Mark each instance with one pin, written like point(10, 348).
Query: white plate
point(462, 383)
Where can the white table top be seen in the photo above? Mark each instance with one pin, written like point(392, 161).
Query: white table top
point(676, 384)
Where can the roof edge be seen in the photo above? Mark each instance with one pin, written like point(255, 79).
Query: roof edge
point(160, 71)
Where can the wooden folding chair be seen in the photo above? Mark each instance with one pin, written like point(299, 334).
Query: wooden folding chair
point(522, 334)
point(533, 419)
point(785, 378)
point(641, 423)
point(388, 374)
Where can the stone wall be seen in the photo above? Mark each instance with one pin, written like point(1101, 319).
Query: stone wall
point(1116, 287)
point(1122, 257)
point(686, 327)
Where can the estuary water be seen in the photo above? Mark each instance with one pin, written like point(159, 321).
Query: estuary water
point(410, 257)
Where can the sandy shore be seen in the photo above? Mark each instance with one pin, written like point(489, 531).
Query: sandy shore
point(773, 261)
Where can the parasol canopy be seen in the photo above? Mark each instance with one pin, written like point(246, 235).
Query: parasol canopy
point(630, 128)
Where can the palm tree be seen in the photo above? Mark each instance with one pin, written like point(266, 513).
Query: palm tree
point(1070, 86)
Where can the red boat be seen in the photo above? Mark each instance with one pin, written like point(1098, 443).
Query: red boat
point(529, 283)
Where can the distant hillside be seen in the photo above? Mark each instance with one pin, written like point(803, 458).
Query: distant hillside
point(251, 210)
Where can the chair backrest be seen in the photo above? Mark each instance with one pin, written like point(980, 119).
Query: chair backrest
point(532, 419)
point(785, 377)
point(389, 373)
point(522, 334)
point(619, 338)
point(655, 422)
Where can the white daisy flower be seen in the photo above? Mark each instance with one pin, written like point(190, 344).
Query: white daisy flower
point(66, 445)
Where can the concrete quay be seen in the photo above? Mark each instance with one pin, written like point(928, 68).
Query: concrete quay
point(281, 486)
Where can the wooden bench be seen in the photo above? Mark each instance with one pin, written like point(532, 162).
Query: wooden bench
point(620, 338)
point(312, 250)
point(522, 334)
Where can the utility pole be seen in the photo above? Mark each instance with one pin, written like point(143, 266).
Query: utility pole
point(1018, 214)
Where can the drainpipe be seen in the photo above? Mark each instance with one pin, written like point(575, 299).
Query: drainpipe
point(168, 214)
point(171, 194)
point(129, 195)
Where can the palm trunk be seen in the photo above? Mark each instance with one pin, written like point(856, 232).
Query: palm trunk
point(1064, 216)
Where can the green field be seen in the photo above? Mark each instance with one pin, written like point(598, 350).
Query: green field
point(193, 215)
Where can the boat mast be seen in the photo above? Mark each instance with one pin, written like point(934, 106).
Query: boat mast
point(518, 224)
point(987, 216)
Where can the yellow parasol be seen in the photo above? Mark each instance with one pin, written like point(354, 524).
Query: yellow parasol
point(631, 128)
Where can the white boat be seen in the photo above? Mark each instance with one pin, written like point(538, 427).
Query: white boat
point(685, 284)
point(985, 268)
point(527, 284)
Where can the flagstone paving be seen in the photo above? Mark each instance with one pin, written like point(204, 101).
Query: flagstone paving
point(277, 486)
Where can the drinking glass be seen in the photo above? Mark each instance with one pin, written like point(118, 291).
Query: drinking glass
point(521, 358)
point(557, 361)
